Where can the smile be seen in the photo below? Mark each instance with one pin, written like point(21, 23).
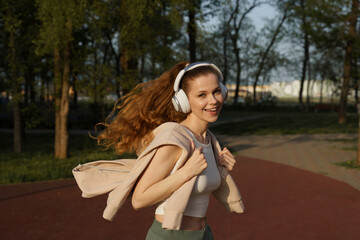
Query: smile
point(211, 110)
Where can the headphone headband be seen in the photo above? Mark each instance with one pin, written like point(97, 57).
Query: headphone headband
point(190, 67)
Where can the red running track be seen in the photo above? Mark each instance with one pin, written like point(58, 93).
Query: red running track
point(281, 202)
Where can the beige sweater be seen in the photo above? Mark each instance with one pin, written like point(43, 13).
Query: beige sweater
point(119, 177)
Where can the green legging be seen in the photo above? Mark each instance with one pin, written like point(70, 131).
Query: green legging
point(156, 232)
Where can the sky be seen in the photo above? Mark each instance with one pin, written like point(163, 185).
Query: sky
point(261, 14)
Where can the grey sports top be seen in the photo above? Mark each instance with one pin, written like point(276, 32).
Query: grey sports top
point(206, 182)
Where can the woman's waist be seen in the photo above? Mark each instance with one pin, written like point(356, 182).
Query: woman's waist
point(188, 222)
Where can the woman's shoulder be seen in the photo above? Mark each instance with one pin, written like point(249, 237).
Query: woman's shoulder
point(171, 133)
point(176, 131)
point(169, 128)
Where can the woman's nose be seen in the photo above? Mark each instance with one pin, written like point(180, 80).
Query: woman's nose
point(212, 98)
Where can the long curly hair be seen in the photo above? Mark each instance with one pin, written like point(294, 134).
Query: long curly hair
point(129, 126)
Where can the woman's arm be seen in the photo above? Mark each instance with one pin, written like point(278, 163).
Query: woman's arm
point(155, 184)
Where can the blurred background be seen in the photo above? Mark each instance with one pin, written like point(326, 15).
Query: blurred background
point(291, 67)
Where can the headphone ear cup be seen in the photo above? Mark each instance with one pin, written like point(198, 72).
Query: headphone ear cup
point(175, 102)
point(224, 91)
point(181, 102)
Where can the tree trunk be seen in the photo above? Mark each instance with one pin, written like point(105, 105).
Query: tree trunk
point(75, 97)
point(57, 93)
point(238, 74)
point(16, 96)
point(29, 85)
point(308, 88)
point(321, 87)
point(306, 57)
point(264, 56)
point(117, 57)
point(18, 129)
point(129, 70)
point(225, 70)
point(358, 143)
point(235, 39)
point(356, 82)
point(347, 62)
point(192, 33)
point(64, 105)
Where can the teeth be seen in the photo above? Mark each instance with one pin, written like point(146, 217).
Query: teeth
point(211, 109)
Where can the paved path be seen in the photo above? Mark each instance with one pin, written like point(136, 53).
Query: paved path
point(316, 153)
point(282, 202)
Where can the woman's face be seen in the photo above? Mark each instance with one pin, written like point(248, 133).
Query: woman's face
point(205, 98)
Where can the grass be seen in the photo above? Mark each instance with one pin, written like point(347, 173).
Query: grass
point(278, 123)
point(290, 123)
point(349, 164)
point(37, 162)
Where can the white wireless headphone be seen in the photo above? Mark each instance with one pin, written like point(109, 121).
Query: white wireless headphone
point(180, 100)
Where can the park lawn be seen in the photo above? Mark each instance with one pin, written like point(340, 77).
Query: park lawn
point(37, 162)
point(289, 123)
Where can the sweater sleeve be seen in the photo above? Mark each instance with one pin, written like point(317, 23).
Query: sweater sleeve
point(166, 134)
point(228, 193)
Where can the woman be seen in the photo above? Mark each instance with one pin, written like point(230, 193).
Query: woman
point(174, 111)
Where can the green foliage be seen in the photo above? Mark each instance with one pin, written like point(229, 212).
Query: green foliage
point(38, 116)
point(54, 15)
point(36, 163)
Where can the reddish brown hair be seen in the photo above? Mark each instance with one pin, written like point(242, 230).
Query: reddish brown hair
point(130, 124)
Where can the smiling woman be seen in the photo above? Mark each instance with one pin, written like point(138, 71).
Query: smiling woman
point(205, 98)
point(180, 161)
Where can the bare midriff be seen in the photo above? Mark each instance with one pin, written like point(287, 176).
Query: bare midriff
point(188, 223)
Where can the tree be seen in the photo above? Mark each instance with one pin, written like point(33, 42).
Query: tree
point(333, 27)
point(264, 55)
point(193, 8)
point(18, 28)
point(236, 22)
point(306, 45)
point(12, 24)
point(56, 36)
point(197, 10)
point(349, 56)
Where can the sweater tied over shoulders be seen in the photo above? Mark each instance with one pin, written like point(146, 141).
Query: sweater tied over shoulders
point(118, 177)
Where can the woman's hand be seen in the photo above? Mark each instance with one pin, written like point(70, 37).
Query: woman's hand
point(196, 163)
point(156, 183)
point(226, 159)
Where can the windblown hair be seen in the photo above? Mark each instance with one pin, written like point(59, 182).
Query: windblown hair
point(130, 124)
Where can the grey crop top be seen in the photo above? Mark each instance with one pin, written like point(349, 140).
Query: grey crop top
point(206, 182)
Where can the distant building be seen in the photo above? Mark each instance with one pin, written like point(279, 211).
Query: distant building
point(291, 89)
point(328, 90)
point(247, 91)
